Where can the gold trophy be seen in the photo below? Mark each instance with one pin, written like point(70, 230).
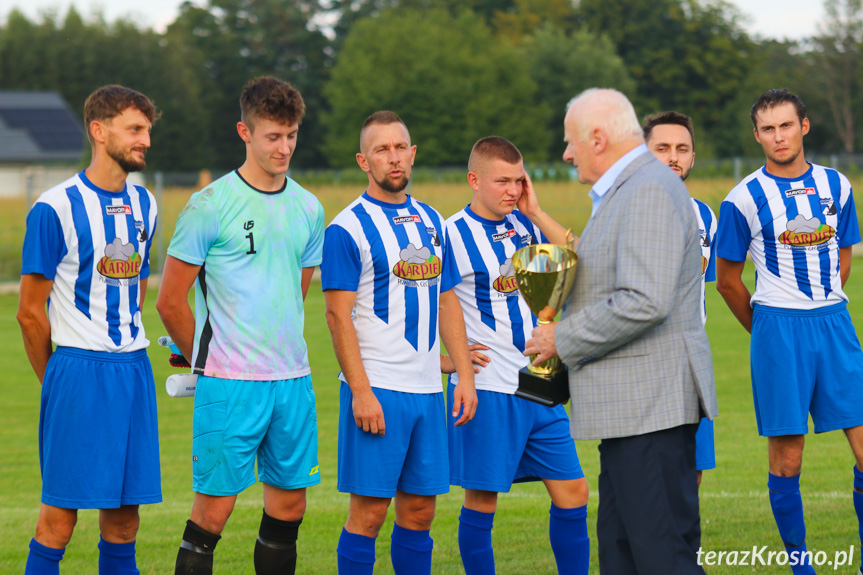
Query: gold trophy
point(544, 274)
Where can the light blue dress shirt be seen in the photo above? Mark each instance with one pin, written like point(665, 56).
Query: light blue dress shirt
point(603, 184)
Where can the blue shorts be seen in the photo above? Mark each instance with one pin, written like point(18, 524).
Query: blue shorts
point(510, 440)
point(805, 362)
point(410, 457)
point(98, 430)
point(705, 452)
point(237, 421)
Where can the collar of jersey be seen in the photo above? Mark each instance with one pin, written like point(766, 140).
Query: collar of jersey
point(404, 204)
point(279, 191)
point(781, 179)
point(483, 220)
point(100, 191)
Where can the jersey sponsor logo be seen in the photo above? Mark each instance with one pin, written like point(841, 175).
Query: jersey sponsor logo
point(406, 219)
point(505, 283)
point(417, 264)
point(142, 231)
point(502, 235)
point(249, 225)
point(803, 231)
point(433, 237)
point(705, 238)
point(118, 210)
point(120, 261)
point(799, 192)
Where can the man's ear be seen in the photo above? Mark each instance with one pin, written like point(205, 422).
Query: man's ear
point(473, 181)
point(97, 131)
point(244, 132)
point(362, 162)
point(598, 140)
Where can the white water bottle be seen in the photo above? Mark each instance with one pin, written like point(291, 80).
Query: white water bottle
point(181, 384)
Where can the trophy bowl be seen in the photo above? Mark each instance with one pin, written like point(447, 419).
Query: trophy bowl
point(545, 274)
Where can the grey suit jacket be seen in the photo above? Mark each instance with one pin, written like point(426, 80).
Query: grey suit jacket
point(631, 332)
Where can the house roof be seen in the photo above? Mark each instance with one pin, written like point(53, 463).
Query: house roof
point(38, 127)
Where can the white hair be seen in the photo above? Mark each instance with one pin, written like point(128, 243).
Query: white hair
point(608, 109)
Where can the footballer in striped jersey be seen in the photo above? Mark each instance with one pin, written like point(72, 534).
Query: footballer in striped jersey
point(797, 222)
point(87, 256)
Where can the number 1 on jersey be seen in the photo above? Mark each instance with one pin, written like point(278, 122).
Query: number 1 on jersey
point(251, 238)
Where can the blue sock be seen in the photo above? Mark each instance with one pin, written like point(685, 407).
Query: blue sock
point(567, 530)
point(787, 507)
point(474, 541)
point(858, 504)
point(356, 554)
point(117, 558)
point(411, 551)
point(43, 560)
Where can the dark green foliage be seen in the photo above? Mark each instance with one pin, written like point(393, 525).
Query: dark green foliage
point(457, 70)
point(448, 78)
point(684, 55)
point(564, 65)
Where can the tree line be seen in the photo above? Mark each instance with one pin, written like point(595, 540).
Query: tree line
point(455, 70)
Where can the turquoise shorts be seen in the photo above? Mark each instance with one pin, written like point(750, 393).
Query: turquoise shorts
point(237, 422)
point(410, 457)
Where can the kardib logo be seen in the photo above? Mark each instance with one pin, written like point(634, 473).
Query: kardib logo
point(120, 261)
point(803, 231)
point(417, 264)
point(506, 282)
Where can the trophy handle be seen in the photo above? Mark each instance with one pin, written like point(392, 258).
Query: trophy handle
point(570, 239)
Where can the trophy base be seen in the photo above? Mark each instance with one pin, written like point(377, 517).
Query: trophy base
point(546, 390)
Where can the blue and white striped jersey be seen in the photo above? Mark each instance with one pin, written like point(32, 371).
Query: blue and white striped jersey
point(95, 245)
point(793, 229)
point(707, 234)
point(494, 314)
point(394, 257)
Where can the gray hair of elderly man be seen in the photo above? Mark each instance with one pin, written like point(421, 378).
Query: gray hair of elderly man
point(607, 109)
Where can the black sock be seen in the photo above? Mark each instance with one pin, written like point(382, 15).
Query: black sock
point(196, 551)
point(276, 548)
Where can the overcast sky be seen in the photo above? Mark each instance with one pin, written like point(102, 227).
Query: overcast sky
point(767, 18)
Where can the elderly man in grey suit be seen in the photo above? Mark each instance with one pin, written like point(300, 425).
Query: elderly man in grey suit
point(640, 368)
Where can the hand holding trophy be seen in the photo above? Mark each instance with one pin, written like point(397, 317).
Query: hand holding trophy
point(545, 274)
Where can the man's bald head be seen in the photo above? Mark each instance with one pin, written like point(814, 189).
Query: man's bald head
point(607, 109)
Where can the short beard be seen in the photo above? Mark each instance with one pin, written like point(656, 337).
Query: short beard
point(125, 162)
point(683, 175)
point(786, 162)
point(392, 187)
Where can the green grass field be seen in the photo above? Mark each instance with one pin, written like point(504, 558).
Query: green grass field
point(734, 507)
